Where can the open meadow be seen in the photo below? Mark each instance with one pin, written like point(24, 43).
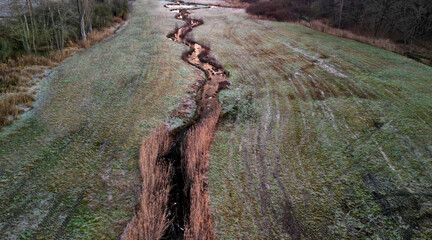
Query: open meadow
point(318, 137)
point(321, 138)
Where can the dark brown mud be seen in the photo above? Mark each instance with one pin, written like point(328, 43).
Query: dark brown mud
point(199, 56)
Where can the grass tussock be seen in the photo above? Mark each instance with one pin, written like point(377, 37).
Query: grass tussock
point(12, 104)
point(386, 44)
point(151, 220)
point(15, 78)
point(18, 72)
point(196, 165)
point(98, 35)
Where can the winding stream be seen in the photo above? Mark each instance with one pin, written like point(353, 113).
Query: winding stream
point(208, 106)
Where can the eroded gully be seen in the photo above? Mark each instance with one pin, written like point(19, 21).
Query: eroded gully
point(208, 106)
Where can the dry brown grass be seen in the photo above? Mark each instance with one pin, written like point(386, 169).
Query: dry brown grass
point(98, 35)
point(151, 220)
point(9, 78)
point(117, 20)
point(29, 60)
point(83, 43)
point(386, 44)
point(14, 78)
point(9, 106)
point(196, 165)
point(58, 56)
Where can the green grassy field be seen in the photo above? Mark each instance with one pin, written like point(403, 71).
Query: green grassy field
point(69, 168)
point(322, 137)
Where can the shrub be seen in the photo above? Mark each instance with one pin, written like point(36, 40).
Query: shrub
point(9, 106)
point(280, 10)
point(119, 8)
point(102, 15)
point(249, 1)
point(104, 12)
point(5, 49)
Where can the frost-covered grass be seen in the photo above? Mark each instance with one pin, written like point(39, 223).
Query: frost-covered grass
point(323, 137)
point(69, 167)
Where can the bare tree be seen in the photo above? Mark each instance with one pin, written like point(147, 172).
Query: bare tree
point(82, 12)
point(29, 9)
point(90, 9)
point(17, 13)
point(341, 7)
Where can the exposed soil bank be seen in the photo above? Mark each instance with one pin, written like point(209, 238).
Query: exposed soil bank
point(182, 209)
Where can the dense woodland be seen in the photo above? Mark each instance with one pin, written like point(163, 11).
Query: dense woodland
point(401, 20)
point(39, 26)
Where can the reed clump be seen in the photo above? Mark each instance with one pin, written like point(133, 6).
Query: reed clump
point(151, 219)
point(196, 166)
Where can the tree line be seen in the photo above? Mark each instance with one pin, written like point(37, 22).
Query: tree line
point(38, 26)
point(405, 20)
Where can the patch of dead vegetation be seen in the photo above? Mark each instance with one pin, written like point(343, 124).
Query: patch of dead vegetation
point(196, 165)
point(151, 219)
point(13, 104)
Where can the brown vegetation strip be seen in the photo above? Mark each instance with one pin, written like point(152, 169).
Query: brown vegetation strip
point(196, 165)
point(151, 220)
point(174, 199)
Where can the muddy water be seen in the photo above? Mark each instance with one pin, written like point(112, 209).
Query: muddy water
point(199, 56)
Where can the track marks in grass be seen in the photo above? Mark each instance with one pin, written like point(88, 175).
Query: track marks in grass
point(69, 215)
point(325, 147)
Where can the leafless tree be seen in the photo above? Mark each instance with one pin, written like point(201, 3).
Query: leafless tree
point(82, 8)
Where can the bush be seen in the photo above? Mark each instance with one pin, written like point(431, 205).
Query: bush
point(119, 8)
point(5, 49)
point(280, 10)
point(104, 12)
point(102, 15)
